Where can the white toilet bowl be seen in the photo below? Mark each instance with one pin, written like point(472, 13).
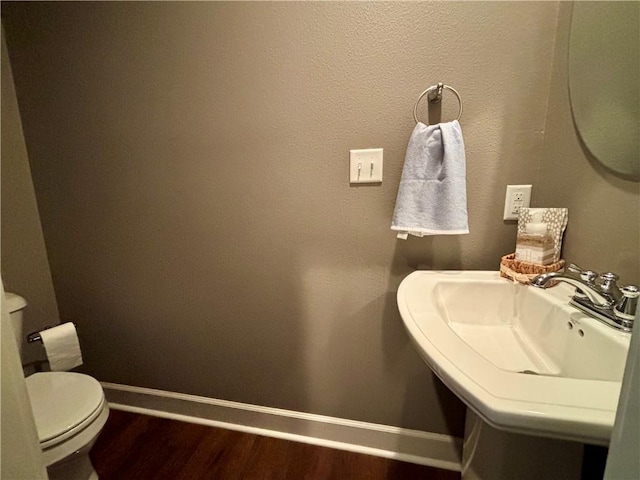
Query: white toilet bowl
point(69, 408)
point(70, 411)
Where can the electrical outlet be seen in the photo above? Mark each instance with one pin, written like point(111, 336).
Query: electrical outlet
point(365, 166)
point(517, 197)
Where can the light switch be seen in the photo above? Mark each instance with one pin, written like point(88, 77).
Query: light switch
point(365, 166)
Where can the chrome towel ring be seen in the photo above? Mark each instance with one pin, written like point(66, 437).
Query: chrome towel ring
point(434, 93)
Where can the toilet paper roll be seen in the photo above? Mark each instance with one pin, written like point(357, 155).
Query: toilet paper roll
point(62, 347)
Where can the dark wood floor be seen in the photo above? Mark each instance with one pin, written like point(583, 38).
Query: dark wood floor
point(141, 447)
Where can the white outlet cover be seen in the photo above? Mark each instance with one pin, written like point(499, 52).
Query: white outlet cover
point(517, 196)
point(365, 166)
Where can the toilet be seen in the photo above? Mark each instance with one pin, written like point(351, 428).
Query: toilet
point(70, 410)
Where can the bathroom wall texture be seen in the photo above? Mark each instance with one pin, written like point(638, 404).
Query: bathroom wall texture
point(25, 267)
point(604, 208)
point(191, 169)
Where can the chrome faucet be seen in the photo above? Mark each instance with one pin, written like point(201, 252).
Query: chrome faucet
point(602, 300)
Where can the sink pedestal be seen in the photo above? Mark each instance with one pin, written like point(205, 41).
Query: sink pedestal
point(492, 454)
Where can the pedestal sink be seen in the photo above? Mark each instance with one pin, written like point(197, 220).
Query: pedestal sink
point(529, 366)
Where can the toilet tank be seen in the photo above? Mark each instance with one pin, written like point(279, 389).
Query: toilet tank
point(15, 305)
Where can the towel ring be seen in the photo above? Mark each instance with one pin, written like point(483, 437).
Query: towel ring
point(435, 96)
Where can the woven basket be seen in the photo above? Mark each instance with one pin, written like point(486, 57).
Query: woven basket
point(524, 272)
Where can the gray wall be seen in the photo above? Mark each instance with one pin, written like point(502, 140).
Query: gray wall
point(190, 163)
point(25, 267)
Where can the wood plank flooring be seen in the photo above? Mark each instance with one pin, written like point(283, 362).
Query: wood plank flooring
point(140, 447)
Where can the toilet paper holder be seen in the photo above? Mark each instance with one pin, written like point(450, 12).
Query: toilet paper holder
point(35, 336)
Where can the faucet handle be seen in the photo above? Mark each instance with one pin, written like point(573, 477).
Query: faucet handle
point(630, 291)
point(573, 268)
point(609, 286)
point(587, 276)
point(609, 276)
point(625, 309)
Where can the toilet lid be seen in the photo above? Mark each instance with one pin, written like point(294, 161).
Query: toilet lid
point(63, 403)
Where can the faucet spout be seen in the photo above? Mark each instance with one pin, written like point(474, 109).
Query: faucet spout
point(598, 299)
point(603, 301)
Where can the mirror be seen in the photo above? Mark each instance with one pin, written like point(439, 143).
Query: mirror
point(604, 82)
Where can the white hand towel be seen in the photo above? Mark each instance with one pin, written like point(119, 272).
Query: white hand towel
point(432, 198)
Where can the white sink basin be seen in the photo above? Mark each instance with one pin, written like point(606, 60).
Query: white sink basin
point(520, 357)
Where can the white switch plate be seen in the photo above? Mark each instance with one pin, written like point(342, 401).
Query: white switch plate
point(518, 196)
point(365, 166)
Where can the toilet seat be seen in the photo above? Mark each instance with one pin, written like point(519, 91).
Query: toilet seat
point(63, 404)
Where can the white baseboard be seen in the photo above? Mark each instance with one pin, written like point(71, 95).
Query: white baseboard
point(424, 448)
